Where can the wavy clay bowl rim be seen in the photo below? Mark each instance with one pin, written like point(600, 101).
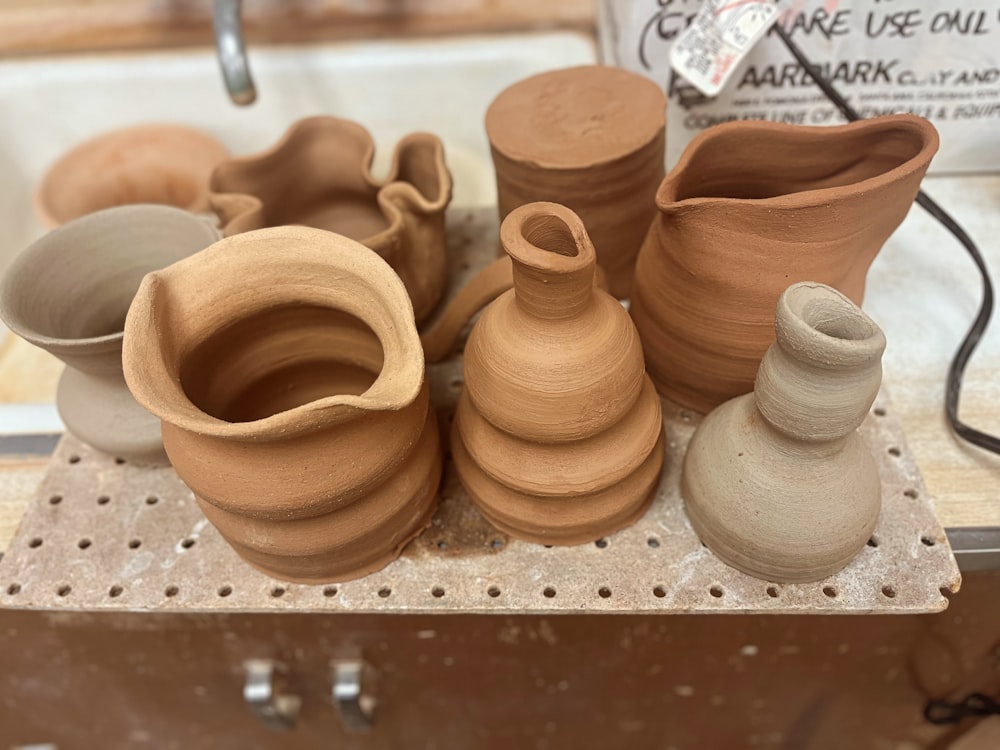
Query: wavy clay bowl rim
point(911, 124)
point(109, 340)
point(403, 358)
point(329, 126)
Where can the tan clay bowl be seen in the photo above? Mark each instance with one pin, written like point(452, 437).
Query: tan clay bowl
point(167, 164)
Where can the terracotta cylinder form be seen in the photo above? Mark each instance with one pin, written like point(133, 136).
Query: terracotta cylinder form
point(591, 138)
point(287, 371)
point(558, 433)
point(779, 483)
point(68, 293)
point(319, 175)
point(750, 208)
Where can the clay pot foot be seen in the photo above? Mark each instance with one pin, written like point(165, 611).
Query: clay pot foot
point(562, 521)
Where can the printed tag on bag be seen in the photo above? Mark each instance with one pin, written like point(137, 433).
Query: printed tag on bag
point(721, 35)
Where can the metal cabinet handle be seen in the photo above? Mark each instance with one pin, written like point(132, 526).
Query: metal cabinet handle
point(276, 710)
point(353, 694)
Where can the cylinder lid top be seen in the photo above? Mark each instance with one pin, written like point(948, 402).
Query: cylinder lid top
point(576, 117)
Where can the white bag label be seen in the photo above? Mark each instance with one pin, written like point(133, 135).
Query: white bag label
point(721, 35)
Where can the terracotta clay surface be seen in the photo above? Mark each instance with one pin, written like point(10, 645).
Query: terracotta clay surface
point(68, 293)
point(319, 175)
point(750, 208)
point(168, 164)
point(779, 482)
point(591, 138)
point(287, 371)
point(558, 434)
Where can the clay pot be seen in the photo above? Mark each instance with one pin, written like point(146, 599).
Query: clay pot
point(68, 294)
point(319, 175)
point(287, 371)
point(779, 483)
point(167, 164)
point(750, 208)
point(591, 138)
point(558, 435)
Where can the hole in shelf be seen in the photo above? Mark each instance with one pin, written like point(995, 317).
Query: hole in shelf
point(889, 591)
point(437, 592)
point(911, 493)
point(187, 543)
point(927, 541)
point(497, 544)
point(74, 459)
point(659, 592)
point(773, 592)
point(716, 591)
point(152, 500)
point(14, 589)
point(385, 592)
point(601, 543)
point(873, 541)
point(35, 543)
point(547, 546)
point(894, 451)
point(493, 591)
point(171, 591)
point(84, 543)
point(329, 591)
point(55, 499)
point(278, 591)
point(442, 545)
point(878, 411)
point(103, 500)
point(119, 460)
point(653, 542)
point(830, 591)
point(134, 543)
point(548, 592)
point(604, 592)
point(115, 591)
point(64, 590)
point(225, 590)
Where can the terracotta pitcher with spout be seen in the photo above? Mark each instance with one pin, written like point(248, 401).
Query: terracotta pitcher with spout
point(750, 208)
point(286, 369)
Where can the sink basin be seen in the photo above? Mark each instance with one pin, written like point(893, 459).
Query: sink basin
point(439, 85)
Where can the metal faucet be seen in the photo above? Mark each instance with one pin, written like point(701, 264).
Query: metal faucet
point(232, 52)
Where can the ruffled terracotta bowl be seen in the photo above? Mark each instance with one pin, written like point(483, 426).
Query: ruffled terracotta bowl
point(167, 164)
point(319, 175)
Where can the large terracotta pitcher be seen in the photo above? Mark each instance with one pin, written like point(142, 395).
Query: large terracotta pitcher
point(285, 366)
point(750, 208)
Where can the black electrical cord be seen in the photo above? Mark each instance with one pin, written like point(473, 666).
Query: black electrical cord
point(956, 370)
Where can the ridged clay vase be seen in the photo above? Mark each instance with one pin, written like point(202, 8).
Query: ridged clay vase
point(591, 138)
point(286, 368)
point(558, 435)
point(779, 482)
point(750, 208)
point(154, 163)
point(68, 293)
point(319, 175)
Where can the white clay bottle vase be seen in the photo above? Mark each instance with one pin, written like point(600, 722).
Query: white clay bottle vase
point(558, 435)
point(780, 483)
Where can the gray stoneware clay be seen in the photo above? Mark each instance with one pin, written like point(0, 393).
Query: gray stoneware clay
point(779, 482)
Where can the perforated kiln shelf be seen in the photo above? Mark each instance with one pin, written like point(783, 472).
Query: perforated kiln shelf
point(106, 535)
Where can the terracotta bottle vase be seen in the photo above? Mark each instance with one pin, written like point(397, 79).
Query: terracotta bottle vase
point(750, 208)
point(779, 483)
point(287, 371)
point(591, 138)
point(168, 164)
point(319, 175)
point(68, 293)
point(558, 435)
